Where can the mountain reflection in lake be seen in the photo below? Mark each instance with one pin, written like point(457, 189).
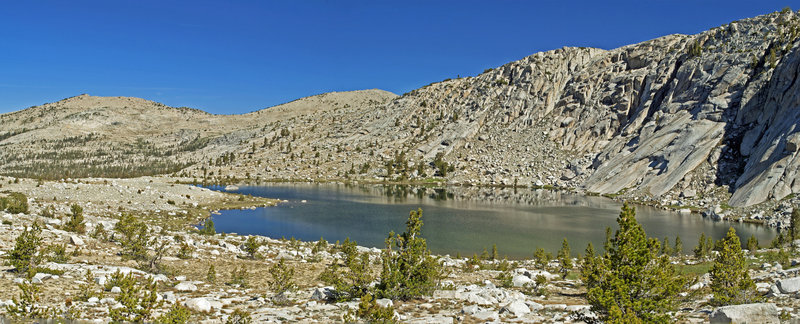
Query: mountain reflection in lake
point(459, 219)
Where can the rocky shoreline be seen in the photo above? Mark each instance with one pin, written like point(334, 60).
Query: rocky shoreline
point(470, 293)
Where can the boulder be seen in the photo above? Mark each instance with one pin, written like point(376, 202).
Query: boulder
point(521, 281)
point(169, 297)
point(384, 302)
point(76, 240)
point(793, 142)
point(534, 306)
point(487, 315)
point(765, 313)
point(324, 293)
point(185, 287)
point(444, 294)
point(39, 277)
point(517, 307)
point(198, 305)
point(470, 310)
point(788, 285)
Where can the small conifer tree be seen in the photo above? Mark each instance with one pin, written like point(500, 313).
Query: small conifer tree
point(485, 255)
point(700, 249)
point(251, 247)
point(589, 268)
point(137, 300)
point(541, 257)
point(282, 276)
point(211, 275)
point(564, 258)
point(794, 227)
point(351, 279)
point(730, 281)
point(609, 237)
point(75, 222)
point(666, 248)
point(177, 314)
point(678, 250)
point(24, 256)
point(409, 270)
point(630, 283)
point(752, 244)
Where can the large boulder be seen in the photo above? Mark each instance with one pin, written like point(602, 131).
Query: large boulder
point(517, 307)
point(521, 280)
point(793, 142)
point(76, 240)
point(324, 293)
point(185, 287)
point(199, 305)
point(764, 313)
point(789, 285)
point(487, 315)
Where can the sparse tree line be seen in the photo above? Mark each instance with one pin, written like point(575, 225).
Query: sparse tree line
point(69, 158)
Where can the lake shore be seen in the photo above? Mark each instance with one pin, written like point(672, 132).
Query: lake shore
point(469, 293)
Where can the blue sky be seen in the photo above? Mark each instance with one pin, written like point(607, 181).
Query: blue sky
point(240, 56)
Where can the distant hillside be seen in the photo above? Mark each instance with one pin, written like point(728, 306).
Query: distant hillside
point(87, 136)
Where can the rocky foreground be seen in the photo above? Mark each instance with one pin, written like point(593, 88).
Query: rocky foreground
point(486, 291)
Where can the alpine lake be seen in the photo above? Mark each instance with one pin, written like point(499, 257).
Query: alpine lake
point(459, 220)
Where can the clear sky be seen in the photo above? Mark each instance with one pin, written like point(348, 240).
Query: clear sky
point(240, 56)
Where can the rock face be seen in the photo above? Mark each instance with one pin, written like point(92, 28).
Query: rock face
point(678, 114)
point(765, 313)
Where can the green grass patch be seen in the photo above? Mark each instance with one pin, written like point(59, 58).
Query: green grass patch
point(695, 269)
point(573, 275)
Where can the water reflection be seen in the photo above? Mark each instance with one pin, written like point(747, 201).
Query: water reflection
point(459, 219)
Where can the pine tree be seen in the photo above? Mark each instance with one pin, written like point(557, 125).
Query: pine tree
point(752, 244)
point(282, 277)
point(409, 271)
point(630, 284)
point(773, 61)
point(564, 258)
point(730, 281)
point(24, 255)
point(607, 243)
point(794, 227)
point(251, 246)
point(494, 252)
point(211, 275)
point(678, 250)
point(700, 249)
point(666, 248)
point(351, 279)
point(75, 222)
point(589, 268)
point(778, 241)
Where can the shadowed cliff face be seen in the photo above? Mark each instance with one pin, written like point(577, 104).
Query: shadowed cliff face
point(680, 115)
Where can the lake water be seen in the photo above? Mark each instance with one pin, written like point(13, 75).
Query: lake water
point(456, 221)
